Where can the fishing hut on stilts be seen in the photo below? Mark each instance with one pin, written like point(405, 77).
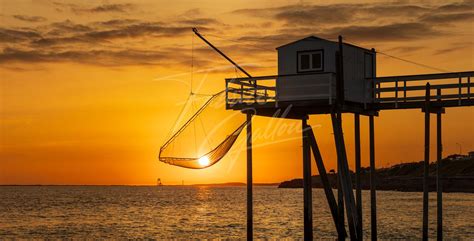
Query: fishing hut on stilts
point(318, 76)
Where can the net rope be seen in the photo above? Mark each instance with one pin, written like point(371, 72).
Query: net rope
point(205, 138)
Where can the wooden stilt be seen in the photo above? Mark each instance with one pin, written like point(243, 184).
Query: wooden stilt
point(357, 173)
point(340, 195)
point(338, 104)
point(373, 196)
point(340, 206)
point(345, 178)
point(426, 163)
point(439, 186)
point(249, 179)
point(325, 181)
point(307, 182)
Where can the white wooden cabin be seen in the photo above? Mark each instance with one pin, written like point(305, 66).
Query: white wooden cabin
point(307, 71)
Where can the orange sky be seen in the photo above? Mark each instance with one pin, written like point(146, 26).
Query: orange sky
point(81, 101)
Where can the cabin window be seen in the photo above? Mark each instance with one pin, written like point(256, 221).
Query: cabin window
point(310, 61)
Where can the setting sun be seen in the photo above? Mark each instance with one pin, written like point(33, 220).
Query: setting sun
point(204, 161)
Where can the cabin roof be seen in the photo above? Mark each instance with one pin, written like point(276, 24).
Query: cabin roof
point(314, 38)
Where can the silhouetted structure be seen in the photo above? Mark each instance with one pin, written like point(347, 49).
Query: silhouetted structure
point(318, 76)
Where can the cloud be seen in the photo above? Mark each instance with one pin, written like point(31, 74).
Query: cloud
point(121, 41)
point(445, 18)
point(106, 43)
point(66, 27)
point(93, 57)
point(405, 49)
point(116, 31)
point(389, 32)
point(31, 19)
point(116, 22)
point(105, 8)
point(20, 35)
point(111, 8)
point(311, 14)
point(367, 21)
point(376, 33)
point(199, 21)
point(457, 7)
point(112, 58)
point(455, 47)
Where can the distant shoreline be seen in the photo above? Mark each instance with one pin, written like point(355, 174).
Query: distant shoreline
point(457, 175)
point(229, 184)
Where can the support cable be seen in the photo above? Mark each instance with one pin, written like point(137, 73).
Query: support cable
point(413, 62)
point(398, 58)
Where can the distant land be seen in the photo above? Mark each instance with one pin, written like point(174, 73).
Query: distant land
point(457, 176)
point(226, 184)
point(230, 184)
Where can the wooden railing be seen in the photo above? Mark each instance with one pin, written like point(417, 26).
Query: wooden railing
point(392, 92)
point(262, 89)
point(250, 90)
point(396, 91)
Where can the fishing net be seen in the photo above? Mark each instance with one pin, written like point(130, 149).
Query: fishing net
point(204, 138)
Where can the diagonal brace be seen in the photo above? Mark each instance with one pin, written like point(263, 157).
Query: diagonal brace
point(325, 181)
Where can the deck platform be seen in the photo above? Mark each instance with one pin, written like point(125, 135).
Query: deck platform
point(388, 93)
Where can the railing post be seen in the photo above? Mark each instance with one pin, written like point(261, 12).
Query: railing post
point(396, 94)
point(226, 92)
point(378, 86)
point(241, 93)
point(469, 88)
point(404, 90)
point(460, 86)
point(255, 91)
point(372, 86)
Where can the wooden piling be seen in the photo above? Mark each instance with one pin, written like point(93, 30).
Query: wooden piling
point(249, 179)
point(426, 163)
point(345, 177)
point(439, 186)
point(340, 194)
point(357, 170)
point(340, 206)
point(373, 197)
point(307, 182)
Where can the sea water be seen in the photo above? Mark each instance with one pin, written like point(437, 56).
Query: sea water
point(209, 212)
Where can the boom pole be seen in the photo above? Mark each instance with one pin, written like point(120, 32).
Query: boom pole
point(249, 143)
point(220, 52)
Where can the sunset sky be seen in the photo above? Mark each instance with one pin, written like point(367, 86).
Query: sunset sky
point(89, 90)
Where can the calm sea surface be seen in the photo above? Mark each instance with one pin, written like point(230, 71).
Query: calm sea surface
point(207, 212)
